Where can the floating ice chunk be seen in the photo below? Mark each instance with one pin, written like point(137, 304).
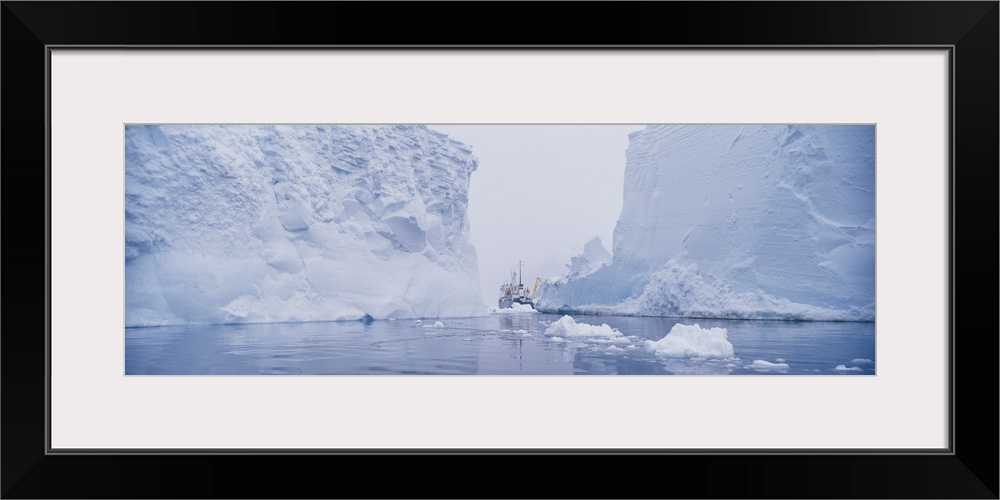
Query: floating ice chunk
point(513, 309)
point(764, 366)
point(842, 368)
point(693, 341)
point(437, 324)
point(567, 327)
point(860, 361)
point(780, 360)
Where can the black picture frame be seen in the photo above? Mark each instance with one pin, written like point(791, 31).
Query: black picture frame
point(969, 29)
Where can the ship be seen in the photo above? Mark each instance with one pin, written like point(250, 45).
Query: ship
point(514, 291)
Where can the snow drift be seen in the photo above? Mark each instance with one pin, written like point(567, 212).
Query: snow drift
point(761, 222)
point(233, 224)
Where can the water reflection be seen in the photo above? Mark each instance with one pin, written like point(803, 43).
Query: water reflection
point(699, 367)
point(503, 344)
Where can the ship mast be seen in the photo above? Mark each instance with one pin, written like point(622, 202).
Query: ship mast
point(519, 282)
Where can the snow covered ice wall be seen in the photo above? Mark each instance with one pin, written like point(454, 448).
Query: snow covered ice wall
point(766, 221)
point(250, 223)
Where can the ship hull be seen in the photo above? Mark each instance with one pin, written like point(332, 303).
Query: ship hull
point(508, 303)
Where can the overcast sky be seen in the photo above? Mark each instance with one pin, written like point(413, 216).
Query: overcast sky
point(540, 193)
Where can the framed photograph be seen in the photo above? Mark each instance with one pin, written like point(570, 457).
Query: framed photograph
point(733, 250)
point(319, 249)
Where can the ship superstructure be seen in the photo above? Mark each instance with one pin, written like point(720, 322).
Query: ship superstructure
point(514, 291)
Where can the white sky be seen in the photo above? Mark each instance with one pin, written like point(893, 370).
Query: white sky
point(540, 193)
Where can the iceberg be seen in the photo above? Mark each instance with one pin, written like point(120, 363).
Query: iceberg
point(730, 221)
point(256, 224)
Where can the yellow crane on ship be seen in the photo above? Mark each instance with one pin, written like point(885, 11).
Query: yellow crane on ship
point(535, 289)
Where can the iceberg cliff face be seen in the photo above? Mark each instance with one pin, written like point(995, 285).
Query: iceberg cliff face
point(739, 222)
point(231, 224)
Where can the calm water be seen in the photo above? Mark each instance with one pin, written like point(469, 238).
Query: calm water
point(498, 345)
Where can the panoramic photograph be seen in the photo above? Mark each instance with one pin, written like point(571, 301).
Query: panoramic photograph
point(409, 249)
